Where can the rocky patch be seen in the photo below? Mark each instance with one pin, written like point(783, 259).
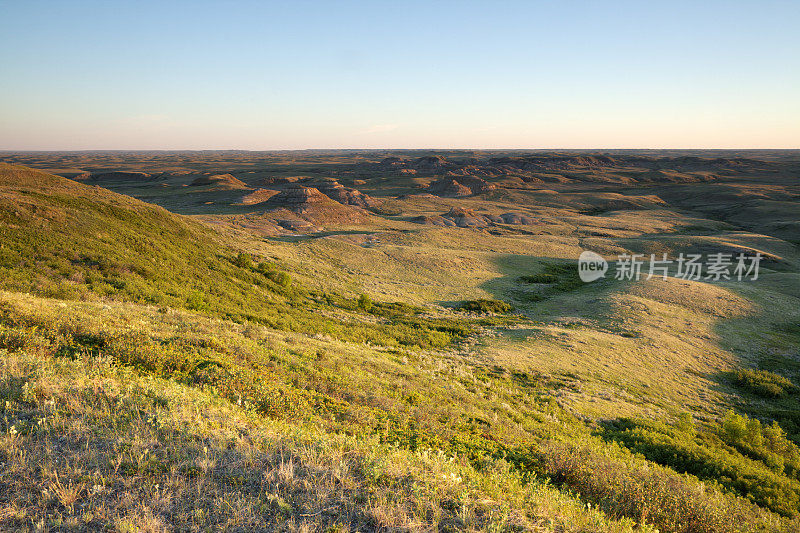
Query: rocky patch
point(459, 186)
point(326, 186)
point(313, 205)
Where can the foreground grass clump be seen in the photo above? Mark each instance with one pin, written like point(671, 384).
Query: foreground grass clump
point(88, 445)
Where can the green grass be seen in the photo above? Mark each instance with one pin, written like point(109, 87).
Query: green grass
point(208, 380)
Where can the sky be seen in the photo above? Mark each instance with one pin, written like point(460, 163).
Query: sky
point(172, 75)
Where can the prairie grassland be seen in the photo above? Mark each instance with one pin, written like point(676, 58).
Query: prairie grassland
point(163, 374)
point(84, 379)
point(89, 445)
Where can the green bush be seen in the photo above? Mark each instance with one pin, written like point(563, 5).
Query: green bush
point(196, 301)
point(265, 268)
point(757, 463)
point(626, 487)
point(763, 383)
point(243, 260)
point(557, 278)
point(364, 302)
point(486, 306)
point(280, 278)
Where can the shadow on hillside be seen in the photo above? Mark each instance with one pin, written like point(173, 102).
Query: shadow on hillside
point(318, 235)
point(774, 354)
point(766, 338)
point(561, 294)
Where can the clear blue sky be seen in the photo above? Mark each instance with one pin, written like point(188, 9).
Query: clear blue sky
point(273, 75)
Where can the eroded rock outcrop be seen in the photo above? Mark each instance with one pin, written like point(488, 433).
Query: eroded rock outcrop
point(329, 187)
point(459, 186)
point(345, 195)
point(298, 196)
point(448, 187)
point(257, 196)
point(313, 205)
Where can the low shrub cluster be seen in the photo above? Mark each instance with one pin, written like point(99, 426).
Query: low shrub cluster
point(764, 383)
point(486, 306)
point(541, 277)
point(754, 461)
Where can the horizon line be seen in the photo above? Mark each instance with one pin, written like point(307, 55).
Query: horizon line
point(5, 150)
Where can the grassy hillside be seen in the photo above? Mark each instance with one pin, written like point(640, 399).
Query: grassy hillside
point(67, 240)
point(161, 375)
point(79, 375)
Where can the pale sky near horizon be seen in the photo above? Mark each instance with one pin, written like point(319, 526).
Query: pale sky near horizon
point(79, 75)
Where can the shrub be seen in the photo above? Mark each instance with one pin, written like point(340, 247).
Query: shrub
point(560, 277)
point(243, 260)
point(264, 268)
point(364, 302)
point(735, 453)
point(646, 493)
point(281, 278)
point(763, 383)
point(196, 301)
point(686, 424)
point(486, 306)
point(734, 428)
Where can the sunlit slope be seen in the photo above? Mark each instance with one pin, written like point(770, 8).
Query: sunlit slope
point(72, 241)
point(150, 411)
point(650, 348)
point(65, 239)
point(89, 444)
